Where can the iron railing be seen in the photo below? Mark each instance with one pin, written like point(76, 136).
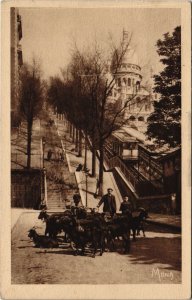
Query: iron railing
point(137, 180)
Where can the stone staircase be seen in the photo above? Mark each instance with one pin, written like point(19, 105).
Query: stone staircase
point(61, 183)
point(59, 196)
point(54, 197)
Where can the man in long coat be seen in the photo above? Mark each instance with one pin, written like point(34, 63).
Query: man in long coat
point(109, 202)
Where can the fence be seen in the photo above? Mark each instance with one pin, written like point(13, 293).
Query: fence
point(27, 188)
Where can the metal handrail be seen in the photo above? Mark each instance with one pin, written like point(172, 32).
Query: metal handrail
point(116, 162)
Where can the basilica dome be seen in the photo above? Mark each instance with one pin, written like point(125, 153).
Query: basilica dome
point(130, 57)
point(130, 64)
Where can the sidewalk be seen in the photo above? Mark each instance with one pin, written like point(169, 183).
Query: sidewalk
point(171, 221)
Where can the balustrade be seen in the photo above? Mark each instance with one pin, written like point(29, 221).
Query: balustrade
point(116, 162)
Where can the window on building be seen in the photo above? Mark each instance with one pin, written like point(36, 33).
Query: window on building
point(137, 86)
point(132, 118)
point(138, 101)
point(119, 81)
point(129, 82)
point(140, 118)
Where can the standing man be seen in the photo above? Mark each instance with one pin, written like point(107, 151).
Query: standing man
point(126, 206)
point(49, 155)
point(77, 199)
point(109, 202)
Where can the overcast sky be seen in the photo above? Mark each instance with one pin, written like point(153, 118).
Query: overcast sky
point(49, 32)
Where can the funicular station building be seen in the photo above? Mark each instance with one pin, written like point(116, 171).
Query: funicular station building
point(150, 176)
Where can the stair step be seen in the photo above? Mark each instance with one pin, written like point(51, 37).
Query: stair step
point(50, 204)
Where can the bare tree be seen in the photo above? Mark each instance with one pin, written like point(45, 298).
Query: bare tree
point(30, 99)
point(87, 97)
point(98, 79)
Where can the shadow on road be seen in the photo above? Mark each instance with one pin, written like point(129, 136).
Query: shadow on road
point(161, 250)
point(150, 227)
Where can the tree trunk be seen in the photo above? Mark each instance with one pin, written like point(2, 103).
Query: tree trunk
point(29, 138)
point(80, 143)
point(77, 140)
point(101, 161)
point(93, 157)
point(68, 126)
point(73, 129)
point(70, 129)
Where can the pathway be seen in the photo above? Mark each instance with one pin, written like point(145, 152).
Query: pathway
point(73, 161)
point(61, 184)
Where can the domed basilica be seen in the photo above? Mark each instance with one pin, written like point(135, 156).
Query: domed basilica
point(129, 87)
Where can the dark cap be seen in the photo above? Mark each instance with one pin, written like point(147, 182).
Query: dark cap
point(110, 189)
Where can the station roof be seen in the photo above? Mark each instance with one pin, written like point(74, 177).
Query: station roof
point(162, 153)
point(135, 133)
point(124, 136)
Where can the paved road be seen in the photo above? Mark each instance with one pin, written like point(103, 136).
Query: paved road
point(153, 259)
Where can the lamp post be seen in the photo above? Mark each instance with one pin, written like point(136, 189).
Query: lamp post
point(43, 142)
point(85, 160)
point(86, 185)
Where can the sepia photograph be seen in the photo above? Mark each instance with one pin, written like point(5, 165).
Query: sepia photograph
point(96, 108)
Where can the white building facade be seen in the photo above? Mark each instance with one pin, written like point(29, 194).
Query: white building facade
point(128, 86)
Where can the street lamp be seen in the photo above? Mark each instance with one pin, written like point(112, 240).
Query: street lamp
point(43, 142)
point(86, 185)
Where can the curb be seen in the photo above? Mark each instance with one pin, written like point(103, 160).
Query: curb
point(78, 179)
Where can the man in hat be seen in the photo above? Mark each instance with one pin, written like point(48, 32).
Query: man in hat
point(126, 206)
point(109, 202)
point(77, 199)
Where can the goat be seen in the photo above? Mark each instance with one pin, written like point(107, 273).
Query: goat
point(82, 233)
point(42, 241)
point(53, 224)
point(79, 212)
point(137, 222)
point(120, 227)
